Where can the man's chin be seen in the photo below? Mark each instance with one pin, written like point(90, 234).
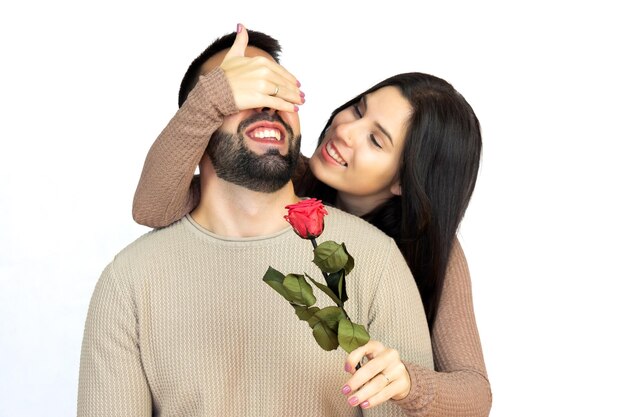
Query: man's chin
point(263, 186)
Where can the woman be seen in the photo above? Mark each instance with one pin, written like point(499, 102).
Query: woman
point(403, 155)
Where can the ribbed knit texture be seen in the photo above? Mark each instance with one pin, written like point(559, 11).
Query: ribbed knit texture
point(459, 388)
point(181, 324)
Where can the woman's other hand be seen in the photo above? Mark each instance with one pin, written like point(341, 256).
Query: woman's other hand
point(381, 378)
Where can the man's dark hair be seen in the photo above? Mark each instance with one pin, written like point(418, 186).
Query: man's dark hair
point(257, 39)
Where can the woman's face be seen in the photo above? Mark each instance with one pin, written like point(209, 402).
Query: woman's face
point(360, 152)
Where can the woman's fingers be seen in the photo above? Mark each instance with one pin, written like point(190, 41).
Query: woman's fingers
point(257, 88)
point(384, 362)
point(259, 81)
point(369, 350)
point(256, 83)
point(240, 44)
point(384, 376)
point(281, 90)
point(376, 395)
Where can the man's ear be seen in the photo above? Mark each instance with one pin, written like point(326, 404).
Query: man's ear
point(396, 189)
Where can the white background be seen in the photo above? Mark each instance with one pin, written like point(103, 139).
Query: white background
point(86, 87)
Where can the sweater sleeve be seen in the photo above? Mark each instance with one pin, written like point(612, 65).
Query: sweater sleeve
point(398, 319)
point(112, 380)
point(459, 387)
point(167, 188)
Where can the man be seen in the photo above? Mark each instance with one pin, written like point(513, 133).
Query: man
point(203, 112)
point(181, 323)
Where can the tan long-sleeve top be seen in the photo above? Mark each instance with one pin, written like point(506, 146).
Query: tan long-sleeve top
point(167, 190)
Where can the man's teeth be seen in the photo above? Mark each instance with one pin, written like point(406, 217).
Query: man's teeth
point(266, 134)
point(335, 155)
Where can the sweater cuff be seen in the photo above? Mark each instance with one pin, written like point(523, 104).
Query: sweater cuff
point(422, 390)
point(215, 88)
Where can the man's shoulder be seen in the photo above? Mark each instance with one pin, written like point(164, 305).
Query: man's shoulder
point(375, 252)
point(347, 226)
point(153, 244)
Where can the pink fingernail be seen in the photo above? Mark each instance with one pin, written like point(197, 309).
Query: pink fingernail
point(298, 83)
point(296, 108)
point(347, 367)
point(353, 401)
point(346, 390)
point(365, 404)
point(301, 94)
point(239, 27)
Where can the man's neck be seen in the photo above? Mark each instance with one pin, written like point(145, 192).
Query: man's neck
point(234, 211)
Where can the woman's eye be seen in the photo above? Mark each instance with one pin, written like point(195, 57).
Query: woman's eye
point(375, 142)
point(359, 115)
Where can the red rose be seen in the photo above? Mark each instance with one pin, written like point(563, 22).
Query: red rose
point(307, 218)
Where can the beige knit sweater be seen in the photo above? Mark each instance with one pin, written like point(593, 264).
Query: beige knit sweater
point(181, 324)
point(458, 388)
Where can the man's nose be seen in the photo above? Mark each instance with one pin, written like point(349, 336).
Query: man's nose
point(267, 110)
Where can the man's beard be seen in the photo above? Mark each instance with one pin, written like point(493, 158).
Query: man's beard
point(235, 163)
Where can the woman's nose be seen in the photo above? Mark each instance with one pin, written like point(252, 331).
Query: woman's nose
point(346, 132)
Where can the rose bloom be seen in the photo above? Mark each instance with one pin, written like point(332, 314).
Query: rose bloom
point(307, 217)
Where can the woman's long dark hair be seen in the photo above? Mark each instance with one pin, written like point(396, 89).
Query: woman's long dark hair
point(438, 172)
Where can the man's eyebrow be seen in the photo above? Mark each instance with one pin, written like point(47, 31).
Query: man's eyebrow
point(378, 125)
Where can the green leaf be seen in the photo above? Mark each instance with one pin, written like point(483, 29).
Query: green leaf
point(299, 290)
point(331, 316)
point(351, 335)
point(303, 312)
point(337, 283)
point(275, 279)
point(327, 290)
point(313, 320)
point(325, 324)
point(350, 263)
point(325, 336)
point(330, 256)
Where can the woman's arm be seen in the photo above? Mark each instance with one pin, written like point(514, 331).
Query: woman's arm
point(459, 387)
point(165, 192)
